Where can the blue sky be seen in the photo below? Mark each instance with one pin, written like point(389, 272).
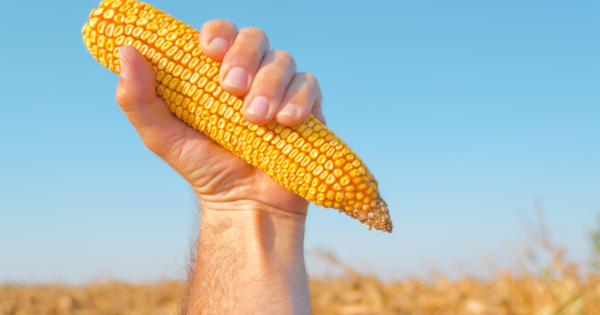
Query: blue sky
point(465, 111)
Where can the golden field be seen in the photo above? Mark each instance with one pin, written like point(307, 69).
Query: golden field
point(352, 293)
point(554, 286)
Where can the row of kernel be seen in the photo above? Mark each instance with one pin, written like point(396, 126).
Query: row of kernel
point(129, 35)
point(162, 24)
point(202, 109)
point(104, 57)
point(327, 151)
point(195, 116)
point(140, 32)
point(119, 10)
point(165, 61)
point(108, 24)
point(109, 44)
point(119, 33)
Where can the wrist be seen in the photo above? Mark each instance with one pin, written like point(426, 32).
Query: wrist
point(244, 241)
point(276, 235)
point(252, 210)
point(251, 219)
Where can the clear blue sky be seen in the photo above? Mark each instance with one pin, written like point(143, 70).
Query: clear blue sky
point(466, 111)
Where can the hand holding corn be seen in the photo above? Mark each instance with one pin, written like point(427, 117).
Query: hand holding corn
point(221, 180)
point(228, 85)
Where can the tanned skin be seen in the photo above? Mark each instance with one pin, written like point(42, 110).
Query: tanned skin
point(250, 254)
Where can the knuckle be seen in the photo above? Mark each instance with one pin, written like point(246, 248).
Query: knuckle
point(217, 28)
point(254, 31)
point(218, 24)
point(122, 96)
point(263, 87)
point(302, 99)
point(270, 56)
point(225, 23)
point(152, 145)
point(311, 79)
point(313, 84)
point(284, 56)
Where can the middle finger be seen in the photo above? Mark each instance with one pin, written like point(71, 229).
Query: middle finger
point(273, 77)
point(241, 62)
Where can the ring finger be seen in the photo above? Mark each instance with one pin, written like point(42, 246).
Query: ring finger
point(242, 60)
point(270, 83)
point(303, 96)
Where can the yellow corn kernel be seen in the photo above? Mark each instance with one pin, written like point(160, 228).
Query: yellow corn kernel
point(307, 159)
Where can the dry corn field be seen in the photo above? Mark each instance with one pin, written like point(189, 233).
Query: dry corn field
point(558, 289)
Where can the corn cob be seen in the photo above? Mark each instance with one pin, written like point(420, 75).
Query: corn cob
point(307, 159)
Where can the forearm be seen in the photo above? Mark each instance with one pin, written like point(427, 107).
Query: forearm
point(249, 261)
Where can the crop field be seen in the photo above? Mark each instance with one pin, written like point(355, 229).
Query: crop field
point(559, 289)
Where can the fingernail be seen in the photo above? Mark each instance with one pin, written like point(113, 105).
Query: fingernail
point(259, 106)
point(289, 110)
point(237, 77)
point(219, 44)
point(123, 60)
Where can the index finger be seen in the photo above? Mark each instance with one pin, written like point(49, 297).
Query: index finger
point(216, 37)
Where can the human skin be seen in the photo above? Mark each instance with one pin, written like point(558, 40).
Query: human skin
point(250, 254)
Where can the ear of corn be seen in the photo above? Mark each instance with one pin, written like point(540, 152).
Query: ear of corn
point(307, 159)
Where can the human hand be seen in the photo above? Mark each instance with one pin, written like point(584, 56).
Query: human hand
point(273, 90)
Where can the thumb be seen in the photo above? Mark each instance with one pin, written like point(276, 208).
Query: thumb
point(136, 96)
point(136, 80)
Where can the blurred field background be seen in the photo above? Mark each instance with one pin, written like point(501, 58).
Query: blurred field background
point(559, 290)
point(544, 283)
